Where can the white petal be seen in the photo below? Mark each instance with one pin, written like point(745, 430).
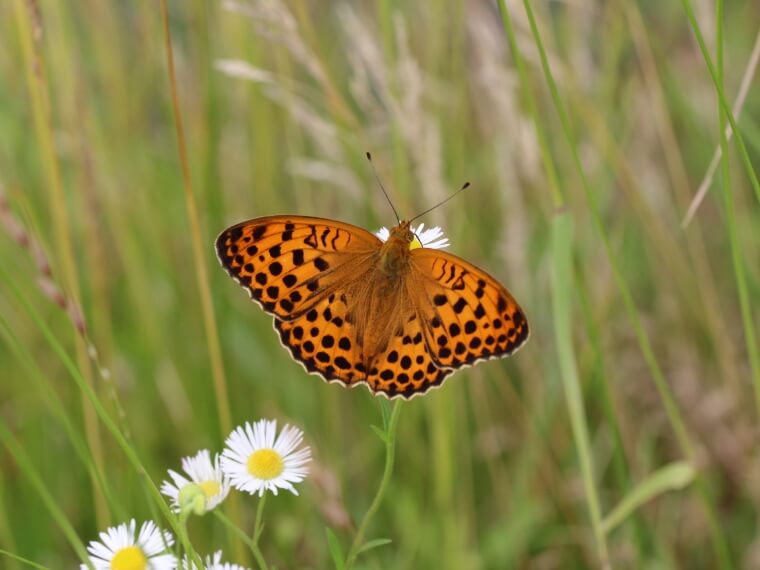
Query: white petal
point(383, 233)
point(249, 438)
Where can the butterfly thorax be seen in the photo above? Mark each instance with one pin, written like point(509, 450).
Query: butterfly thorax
point(394, 254)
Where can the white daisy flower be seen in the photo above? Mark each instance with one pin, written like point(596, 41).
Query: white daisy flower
point(256, 462)
point(212, 563)
point(118, 549)
point(206, 488)
point(431, 237)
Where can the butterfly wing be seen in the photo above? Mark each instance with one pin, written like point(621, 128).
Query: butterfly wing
point(288, 263)
point(467, 315)
point(405, 367)
point(297, 269)
point(325, 340)
point(453, 314)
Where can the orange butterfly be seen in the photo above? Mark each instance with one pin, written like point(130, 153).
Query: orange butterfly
point(355, 309)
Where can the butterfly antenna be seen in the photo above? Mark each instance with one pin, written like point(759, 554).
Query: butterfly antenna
point(464, 187)
point(369, 157)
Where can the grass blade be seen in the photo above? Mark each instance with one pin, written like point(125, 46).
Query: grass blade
point(672, 477)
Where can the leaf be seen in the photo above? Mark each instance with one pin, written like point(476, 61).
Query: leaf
point(380, 433)
point(672, 477)
point(374, 543)
point(335, 549)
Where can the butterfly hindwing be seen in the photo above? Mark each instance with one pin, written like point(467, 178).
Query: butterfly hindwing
point(405, 366)
point(470, 315)
point(288, 262)
point(324, 340)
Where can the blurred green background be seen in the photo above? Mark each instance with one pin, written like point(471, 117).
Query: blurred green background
point(280, 99)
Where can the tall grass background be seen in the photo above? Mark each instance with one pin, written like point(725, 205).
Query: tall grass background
point(623, 435)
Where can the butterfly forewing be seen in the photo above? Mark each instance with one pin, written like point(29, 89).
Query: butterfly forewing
point(470, 315)
point(287, 263)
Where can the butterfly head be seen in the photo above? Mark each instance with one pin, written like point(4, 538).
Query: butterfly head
point(403, 235)
point(395, 252)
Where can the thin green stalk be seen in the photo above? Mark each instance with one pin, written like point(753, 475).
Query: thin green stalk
point(8, 536)
point(390, 449)
point(26, 561)
point(56, 407)
point(250, 542)
point(184, 539)
point(226, 521)
point(723, 102)
point(97, 405)
point(201, 274)
point(562, 235)
point(207, 307)
point(563, 334)
point(39, 92)
point(671, 408)
point(257, 528)
point(551, 171)
point(620, 461)
point(737, 257)
point(52, 505)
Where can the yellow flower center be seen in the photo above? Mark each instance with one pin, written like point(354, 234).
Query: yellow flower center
point(210, 488)
point(415, 243)
point(265, 464)
point(129, 558)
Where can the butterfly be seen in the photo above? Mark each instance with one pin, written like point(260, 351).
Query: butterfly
point(355, 309)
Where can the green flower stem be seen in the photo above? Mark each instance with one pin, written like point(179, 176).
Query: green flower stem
point(259, 517)
point(234, 528)
point(184, 539)
point(390, 449)
point(252, 543)
point(257, 528)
